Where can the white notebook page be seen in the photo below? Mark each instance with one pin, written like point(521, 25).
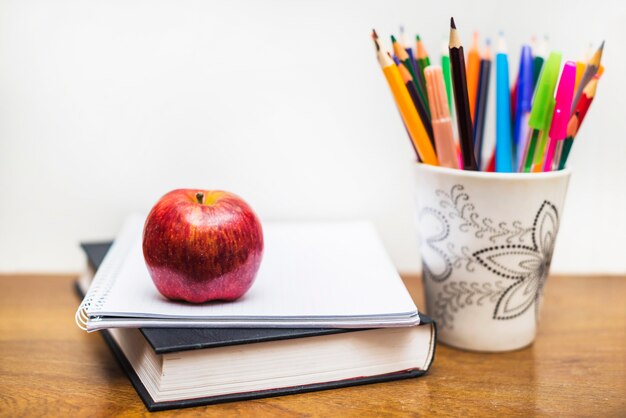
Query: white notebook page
point(309, 270)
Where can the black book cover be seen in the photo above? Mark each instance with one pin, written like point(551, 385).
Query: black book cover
point(166, 340)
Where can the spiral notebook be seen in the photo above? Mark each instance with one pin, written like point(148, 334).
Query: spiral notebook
point(320, 274)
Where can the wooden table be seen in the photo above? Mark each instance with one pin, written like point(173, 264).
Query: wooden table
point(576, 367)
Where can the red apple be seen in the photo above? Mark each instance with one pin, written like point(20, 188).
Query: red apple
point(202, 245)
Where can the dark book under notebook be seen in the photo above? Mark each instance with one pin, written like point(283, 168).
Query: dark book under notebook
point(182, 367)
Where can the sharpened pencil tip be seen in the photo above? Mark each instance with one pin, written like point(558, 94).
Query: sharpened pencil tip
point(393, 38)
point(374, 34)
point(601, 46)
point(417, 38)
point(452, 25)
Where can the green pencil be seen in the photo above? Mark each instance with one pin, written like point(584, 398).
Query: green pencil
point(400, 52)
point(422, 56)
point(445, 68)
point(539, 57)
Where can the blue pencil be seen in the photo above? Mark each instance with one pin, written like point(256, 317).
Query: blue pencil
point(504, 152)
point(481, 103)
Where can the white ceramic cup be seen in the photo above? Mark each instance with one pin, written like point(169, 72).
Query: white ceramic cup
point(486, 245)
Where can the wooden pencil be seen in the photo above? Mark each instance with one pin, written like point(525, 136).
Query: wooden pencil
point(592, 68)
point(481, 103)
point(408, 48)
point(581, 111)
point(423, 60)
point(410, 85)
point(461, 100)
point(572, 130)
point(409, 114)
point(400, 51)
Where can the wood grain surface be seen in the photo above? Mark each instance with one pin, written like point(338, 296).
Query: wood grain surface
point(576, 367)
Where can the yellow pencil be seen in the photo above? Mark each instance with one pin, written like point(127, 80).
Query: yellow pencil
point(580, 69)
point(409, 114)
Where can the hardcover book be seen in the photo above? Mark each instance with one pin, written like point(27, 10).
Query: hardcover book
point(182, 367)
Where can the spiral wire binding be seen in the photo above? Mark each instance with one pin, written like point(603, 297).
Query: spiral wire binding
point(107, 274)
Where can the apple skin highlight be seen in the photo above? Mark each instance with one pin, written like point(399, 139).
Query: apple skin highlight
point(201, 246)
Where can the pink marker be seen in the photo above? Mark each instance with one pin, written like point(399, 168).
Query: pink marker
point(561, 115)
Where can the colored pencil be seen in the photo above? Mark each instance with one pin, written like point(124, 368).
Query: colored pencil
point(581, 111)
point(504, 152)
point(560, 117)
point(410, 85)
point(580, 69)
point(536, 124)
point(400, 51)
point(423, 60)
point(409, 114)
point(481, 102)
point(572, 130)
point(442, 124)
point(592, 68)
point(459, 84)
point(539, 56)
point(407, 48)
point(397, 61)
point(473, 69)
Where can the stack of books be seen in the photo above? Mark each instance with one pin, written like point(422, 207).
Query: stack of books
point(327, 310)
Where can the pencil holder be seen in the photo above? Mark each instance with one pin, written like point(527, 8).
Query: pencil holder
point(486, 245)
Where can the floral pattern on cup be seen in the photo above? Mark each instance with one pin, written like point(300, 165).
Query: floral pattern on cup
point(516, 253)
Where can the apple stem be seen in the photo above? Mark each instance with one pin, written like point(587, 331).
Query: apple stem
point(200, 197)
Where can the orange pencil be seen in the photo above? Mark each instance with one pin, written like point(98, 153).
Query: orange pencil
point(473, 70)
point(409, 114)
point(580, 69)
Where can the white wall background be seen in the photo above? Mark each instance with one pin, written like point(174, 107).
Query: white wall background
point(106, 105)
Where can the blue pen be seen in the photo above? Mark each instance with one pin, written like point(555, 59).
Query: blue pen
point(523, 105)
point(504, 152)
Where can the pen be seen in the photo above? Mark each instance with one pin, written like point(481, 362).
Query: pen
point(541, 112)
point(560, 117)
point(473, 69)
point(442, 124)
point(504, 153)
point(523, 104)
